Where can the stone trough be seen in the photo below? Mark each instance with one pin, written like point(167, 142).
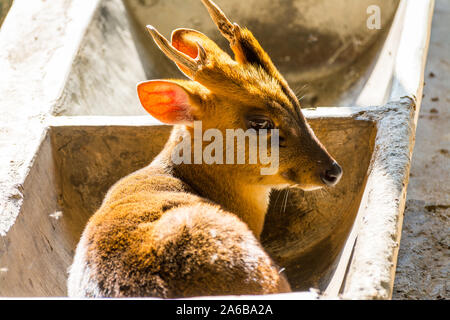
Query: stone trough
point(71, 126)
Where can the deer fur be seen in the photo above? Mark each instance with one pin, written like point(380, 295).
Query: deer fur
point(193, 229)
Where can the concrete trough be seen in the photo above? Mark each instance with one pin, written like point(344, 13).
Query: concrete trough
point(71, 126)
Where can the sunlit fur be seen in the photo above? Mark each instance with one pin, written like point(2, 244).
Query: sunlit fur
point(190, 230)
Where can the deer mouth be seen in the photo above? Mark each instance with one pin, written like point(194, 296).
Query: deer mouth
point(293, 182)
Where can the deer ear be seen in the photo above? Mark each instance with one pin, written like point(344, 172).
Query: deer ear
point(167, 101)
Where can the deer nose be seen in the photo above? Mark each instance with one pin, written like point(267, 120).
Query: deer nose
point(332, 175)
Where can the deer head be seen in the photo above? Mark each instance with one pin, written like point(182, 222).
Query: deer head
point(244, 92)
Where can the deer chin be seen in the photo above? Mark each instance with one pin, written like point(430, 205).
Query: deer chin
point(281, 186)
point(292, 182)
point(304, 187)
point(307, 187)
point(296, 185)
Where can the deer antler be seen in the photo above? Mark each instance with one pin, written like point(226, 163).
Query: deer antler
point(245, 46)
point(177, 56)
point(228, 29)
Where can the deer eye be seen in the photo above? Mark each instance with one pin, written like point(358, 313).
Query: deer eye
point(260, 122)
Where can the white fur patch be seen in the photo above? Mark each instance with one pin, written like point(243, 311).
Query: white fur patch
point(81, 282)
point(214, 258)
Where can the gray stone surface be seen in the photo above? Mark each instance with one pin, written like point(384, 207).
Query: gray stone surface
point(423, 269)
point(37, 41)
point(105, 70)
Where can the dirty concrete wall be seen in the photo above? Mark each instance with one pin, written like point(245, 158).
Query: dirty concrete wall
point(424, 259)
point(76, 165)
point(311, 42)
point(106, 68)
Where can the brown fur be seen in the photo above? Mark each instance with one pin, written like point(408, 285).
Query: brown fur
point(188, 230)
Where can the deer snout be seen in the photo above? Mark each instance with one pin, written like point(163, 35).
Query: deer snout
point(332, 174)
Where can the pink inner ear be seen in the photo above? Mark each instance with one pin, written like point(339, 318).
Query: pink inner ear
point(184, 46)
point(180, 41)
point(166, 101)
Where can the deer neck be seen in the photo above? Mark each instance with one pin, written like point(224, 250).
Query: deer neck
point(248, 201)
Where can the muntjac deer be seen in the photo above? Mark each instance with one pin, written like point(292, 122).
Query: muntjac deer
point(192, 229)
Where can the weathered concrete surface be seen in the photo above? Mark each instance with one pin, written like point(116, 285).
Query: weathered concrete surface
point(37, 41)
point(371, 272)
point(106, 68)
point(423, 270)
